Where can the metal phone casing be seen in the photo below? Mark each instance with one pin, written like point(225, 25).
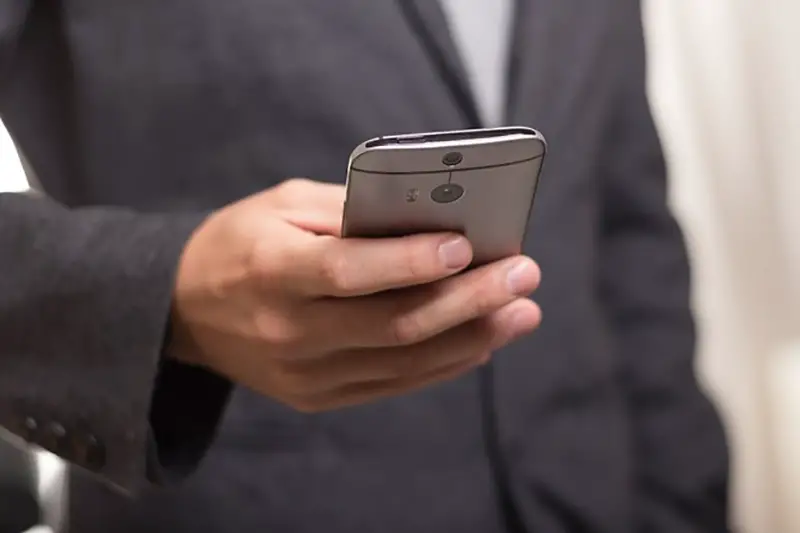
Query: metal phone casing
point(390, 181)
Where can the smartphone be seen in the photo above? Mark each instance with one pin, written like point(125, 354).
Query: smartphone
point(480, 183)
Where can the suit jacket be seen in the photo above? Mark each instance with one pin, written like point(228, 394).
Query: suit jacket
point(139, 117)
point(19, 510)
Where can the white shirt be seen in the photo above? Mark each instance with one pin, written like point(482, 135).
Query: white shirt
point(482, 31)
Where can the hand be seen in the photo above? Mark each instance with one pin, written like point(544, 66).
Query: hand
point(269, 296)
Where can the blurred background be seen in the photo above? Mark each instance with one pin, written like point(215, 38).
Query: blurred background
point(725, 90)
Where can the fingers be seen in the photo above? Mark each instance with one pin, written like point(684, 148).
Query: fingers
point(313, 206)
point(310, 195)
point(353, 267)
point(408, 317)
point(362, 376)
point(467, 343)
point(319, 222)
point(370, 392)
point(333, 267)
point(519, 318)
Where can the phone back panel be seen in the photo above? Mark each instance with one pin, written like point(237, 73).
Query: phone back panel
point(392, 191)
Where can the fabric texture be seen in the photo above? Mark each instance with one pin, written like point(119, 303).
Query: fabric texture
point(137, 116)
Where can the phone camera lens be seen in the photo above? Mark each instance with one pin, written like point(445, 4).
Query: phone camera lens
point(452, 159)
point(447, 193)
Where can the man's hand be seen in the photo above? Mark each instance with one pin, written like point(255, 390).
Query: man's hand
point(269, 296)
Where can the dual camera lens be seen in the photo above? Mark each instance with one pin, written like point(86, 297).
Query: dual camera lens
point(447, 193)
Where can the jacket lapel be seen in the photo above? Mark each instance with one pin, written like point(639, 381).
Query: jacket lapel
point(532, 54)
point(556, 43)
point(429, 23)
point(549, 44)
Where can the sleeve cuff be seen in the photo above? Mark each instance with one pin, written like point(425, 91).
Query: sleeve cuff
point(187, 407)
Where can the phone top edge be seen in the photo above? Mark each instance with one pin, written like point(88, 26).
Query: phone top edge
point(449, 138)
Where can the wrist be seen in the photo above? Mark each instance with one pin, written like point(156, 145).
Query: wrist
point(179, 345)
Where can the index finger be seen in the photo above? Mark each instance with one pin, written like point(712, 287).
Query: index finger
point(320, 222)
point(354, 267)
point(303, 193)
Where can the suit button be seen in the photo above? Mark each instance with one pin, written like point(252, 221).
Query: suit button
point(29, 429)
point(53, 438)
point(58, 431)
point(94, 456)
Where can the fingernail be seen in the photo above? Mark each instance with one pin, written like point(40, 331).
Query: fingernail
point(455, 252)
point(522, 277)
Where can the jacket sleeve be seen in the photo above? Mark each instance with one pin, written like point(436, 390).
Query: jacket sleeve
point(85, 298)
point(681, 455)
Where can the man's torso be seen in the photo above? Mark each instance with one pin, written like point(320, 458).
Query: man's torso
point(189, 104)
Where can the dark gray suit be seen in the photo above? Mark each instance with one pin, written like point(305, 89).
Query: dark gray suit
point(174, 107)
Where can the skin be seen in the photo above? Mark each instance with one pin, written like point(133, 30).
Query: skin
point(268, 295)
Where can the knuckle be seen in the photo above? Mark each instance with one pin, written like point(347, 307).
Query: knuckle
point(485, 297)
point(259, 263)
point(415, 265)
point(336, 273)
point(406, 329)
point(275, 331)
point(266, 265)
point(294, 187)
point(482, 295)
point(307, 406)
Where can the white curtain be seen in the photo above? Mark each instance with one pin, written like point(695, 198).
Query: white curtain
point(725, 81)
point(725, 86)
